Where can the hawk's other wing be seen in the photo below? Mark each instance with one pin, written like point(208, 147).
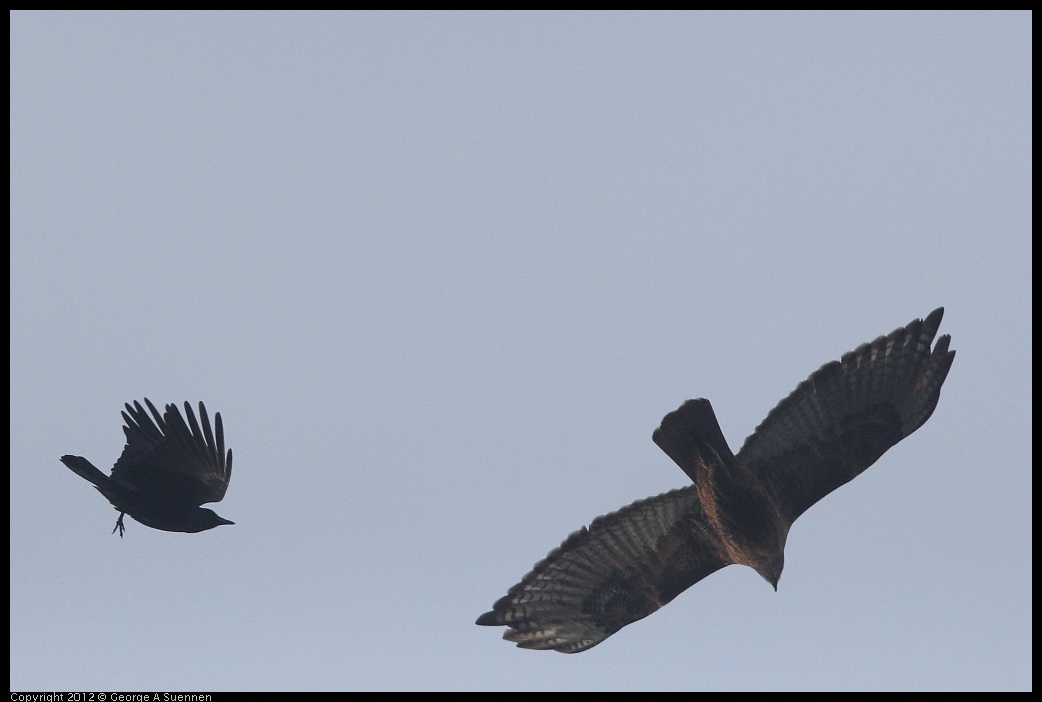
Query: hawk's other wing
point(847, 414)
point(626, 565)
point(170, 457)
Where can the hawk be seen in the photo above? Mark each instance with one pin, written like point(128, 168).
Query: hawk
point(166, 471)
point(739, 509)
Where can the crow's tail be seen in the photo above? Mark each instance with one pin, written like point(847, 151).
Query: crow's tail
point(83, 468)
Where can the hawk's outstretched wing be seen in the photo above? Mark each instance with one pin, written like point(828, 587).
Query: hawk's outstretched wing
point(626, 565)
point(847, 414)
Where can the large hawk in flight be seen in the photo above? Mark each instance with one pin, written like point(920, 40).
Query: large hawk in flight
point(629, 563)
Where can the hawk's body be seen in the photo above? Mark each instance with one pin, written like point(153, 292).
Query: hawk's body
point(629, 563)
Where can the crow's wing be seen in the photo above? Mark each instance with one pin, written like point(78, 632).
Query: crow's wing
point(165, 455)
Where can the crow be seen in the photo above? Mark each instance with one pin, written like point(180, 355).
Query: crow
point(166, 471)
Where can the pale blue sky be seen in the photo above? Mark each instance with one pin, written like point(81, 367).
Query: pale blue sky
point(443, 274)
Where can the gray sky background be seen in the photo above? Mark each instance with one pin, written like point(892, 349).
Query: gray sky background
point(443, 274)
